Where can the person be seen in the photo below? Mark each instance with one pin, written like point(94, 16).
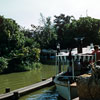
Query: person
point(97, 52)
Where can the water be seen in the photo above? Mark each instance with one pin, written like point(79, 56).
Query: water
point(22, 79)
point(48, 93)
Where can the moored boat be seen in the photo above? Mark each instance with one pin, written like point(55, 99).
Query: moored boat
point(65, 81)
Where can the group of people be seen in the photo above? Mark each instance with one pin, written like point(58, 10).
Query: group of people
point(95, 52)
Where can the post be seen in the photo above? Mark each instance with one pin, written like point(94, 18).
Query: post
point(95, 58)
point(63, 64)
point(66, 62)
point(79, 49)
point(79, 40)
point(7, 90)
point(69, 91)
point(56, 64)
point(58, 48)
point(16, 95)
point(59, 66)
point(73, 68)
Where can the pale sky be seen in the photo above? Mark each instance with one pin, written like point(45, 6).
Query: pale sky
point(27, 12)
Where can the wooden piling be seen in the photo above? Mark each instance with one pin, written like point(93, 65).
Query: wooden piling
point(16, 95)
point(7, 90)
point(43, 79)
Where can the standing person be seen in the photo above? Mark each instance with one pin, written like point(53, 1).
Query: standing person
point(97, 52)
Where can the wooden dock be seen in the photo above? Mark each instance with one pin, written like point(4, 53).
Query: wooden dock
point(14, 95)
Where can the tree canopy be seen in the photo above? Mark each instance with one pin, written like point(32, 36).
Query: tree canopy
point(18, 50)
point(64, 29)
point(68, 28)
point(10, 36)
point(20, 47)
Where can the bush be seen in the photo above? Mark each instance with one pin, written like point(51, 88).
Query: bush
point(3, 64)
point(36, 65)
point(23, 60)
point(29, 66)
point(36, 54)
point(22, 63)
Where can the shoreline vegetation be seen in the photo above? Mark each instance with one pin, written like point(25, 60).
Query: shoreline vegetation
point(20, 48)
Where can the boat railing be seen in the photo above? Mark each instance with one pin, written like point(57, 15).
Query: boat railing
point(68, 77)
point(75, 59)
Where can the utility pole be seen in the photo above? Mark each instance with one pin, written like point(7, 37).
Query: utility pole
point(86, 13)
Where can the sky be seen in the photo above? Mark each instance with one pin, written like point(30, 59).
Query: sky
point(27, 12)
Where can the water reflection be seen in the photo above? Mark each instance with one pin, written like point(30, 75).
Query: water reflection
point(44, 94)
point(47, 95)
point(22, 79)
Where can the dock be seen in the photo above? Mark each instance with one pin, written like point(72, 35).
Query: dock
point(15, 94)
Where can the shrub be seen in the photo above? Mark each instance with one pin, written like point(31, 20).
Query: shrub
point(36, 65)
point(3, 64)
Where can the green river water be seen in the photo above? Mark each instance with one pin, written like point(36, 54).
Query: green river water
point(48, 93)
point(22, 79)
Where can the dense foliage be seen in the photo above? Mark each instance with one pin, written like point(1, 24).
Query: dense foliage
point(20, 47)
point(21, 51)
point(65, 29)
point(68, 28)
point(45, 35)
point(10, 36)
point(3, 64)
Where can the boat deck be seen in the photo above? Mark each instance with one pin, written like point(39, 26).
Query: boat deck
point(73, 84)
point(76, 98)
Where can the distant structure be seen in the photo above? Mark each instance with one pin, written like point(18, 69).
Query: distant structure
point(86, 13)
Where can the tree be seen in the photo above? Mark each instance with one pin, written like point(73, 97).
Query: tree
point(18, 46)
point(68, 28)
point(45, 35)
point(87, 27)
point(10, 35)
point(61, 23)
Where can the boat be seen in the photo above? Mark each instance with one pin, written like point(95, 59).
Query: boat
point(64, 81)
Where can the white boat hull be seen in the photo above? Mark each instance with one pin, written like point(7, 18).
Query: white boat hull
point(78, 64)
point(63, 91)
point(66, 92)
